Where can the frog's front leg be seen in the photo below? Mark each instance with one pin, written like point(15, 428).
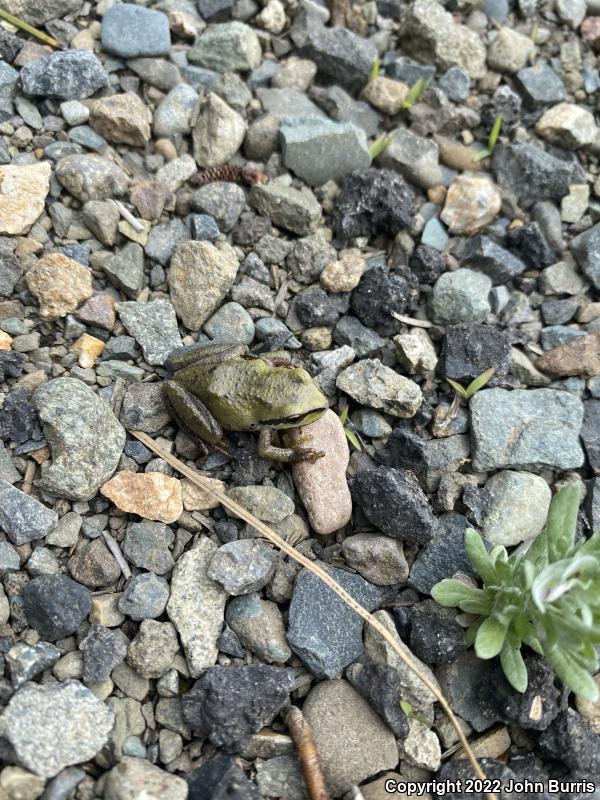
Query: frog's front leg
point(191, 413)
point(291, 455)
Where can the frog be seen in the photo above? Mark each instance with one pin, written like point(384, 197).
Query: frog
point(217, 387)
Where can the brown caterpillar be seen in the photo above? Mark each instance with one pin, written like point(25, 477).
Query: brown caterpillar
point(228, 172)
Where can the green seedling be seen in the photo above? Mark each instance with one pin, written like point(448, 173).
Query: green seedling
point(547, 597)
point(379, 145)
point(461, 393)
point(375, 68)
point(414, 93)
point(350, 435)
point(492, 140)
point(534, 38)
point(409, 711)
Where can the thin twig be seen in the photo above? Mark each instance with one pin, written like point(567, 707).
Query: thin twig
point(128, 216)
point(118, 555)
point(25, 26)
point(417, 323)
point(307, 753)
point(335, 587)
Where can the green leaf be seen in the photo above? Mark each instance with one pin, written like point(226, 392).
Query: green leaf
point(480, 381)
point(453, 593)
point(479, 557)
point(490, 637)
point(562, 521)
point(353, 439)
point(379, 145)
point(494, 133)
point(479, 156)
point(344, 415)
point(513, 666)
point(414, 93)
point(375, 68)
point(571, 674)
point(457, 388)
point(471, 632)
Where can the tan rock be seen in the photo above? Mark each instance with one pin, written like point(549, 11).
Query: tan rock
point(122, 118)
point(218, 133)
point(471, 203)
point(149, 494)
point(89, 349)
point(19, 784)
point(343, 275)
point(197, 499)
point(385, 94)
point(105, 610)
point(490, 745)
point(580, 356)
point(59, 284)
point(5, 341)
point(322, 485)
point(23, 190)
point(457, 155)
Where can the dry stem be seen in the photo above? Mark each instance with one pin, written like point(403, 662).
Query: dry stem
point(307, 753)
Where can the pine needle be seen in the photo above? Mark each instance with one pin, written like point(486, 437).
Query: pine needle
point(25, 26)
point(242, 513)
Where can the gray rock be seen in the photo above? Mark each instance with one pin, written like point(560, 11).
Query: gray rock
point(483, 254)
point(414, 157)
point(147, 546)
point(460, 684)
point(535, 174)
point(461, 296)
point(351, 332)
point(9, 78)
point(154, 327)
point(259, 626)
point(318, 150)
point(91, 177)
point(10, 269)
point(197, 606)
point(352, 740)
point(540, 85)
point(223, 201)
point(525, 428)
point(297, 211)
point(67, 75)
point(280, 776)
point(218, 133)
point(23, 518)
point(8, 471)
point(243, 566)
point(231, 323)
point(340, 55)
point(267, 503)
point(125, 269)
point(443, 556)
point(586, 249)
point(164, 238)
point(456, 84)
point(145, 597)
point(373, 384)
point(25, 661)
point(103, 649)
point(51, 727)
point(147, 31)
point(152, 651)
point(158, 72)
point(379, 559)
point(288, 103)
point(229, 47)
point(34, 13)
point(144, 408)
point(174, 113)
point(136, 778)
point(341, 107)
point(322, 630)
point(519, 507)
point(84, 435)
point(429, 459)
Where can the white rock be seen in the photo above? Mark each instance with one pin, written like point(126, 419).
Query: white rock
point(567, 125)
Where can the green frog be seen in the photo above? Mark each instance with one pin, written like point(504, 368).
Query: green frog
point(224, 386)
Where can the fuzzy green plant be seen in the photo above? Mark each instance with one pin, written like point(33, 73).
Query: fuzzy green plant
point(492, 140)
point(546, 597)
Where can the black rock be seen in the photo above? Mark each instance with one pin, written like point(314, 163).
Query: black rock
point(478, 501)
point(215, 10)
point(483, 254)
point(457, 773)
point(393, 501)
point(530, 244)
point(470, 348)
point(19, 421)
point(533, 173)
point(444, 556)
point(381, 686)
point(592, 504)
point(55, 605)
point(248, 468)
point(229, 704)
point(559, 312)
point(378, 294)
point(373, 201)
point(427, 264)
point(11, 365)
point(10, 46)
point(435, 635)
point(103, 649)
point(571, 739)
point(340, 55)
point(504, 101)
point(540, 86)
point(590, 433)
point(429, 459)
point(314, 308)
point(220, 779)
point(500, 700)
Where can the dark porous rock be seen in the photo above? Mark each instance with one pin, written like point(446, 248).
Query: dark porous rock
point(55, 605)
point(11, 364)
point(144, 408)
point(590, 433)
point(571, 739)
point(533, 173)
point(393, 502)
point(427, 264)
point(435, 635)
point(485, 255)
point(221, 778)
point(229, 704)
point(315, 308)
point(380, 684)
point(531, 245)
point(444, 556)
point(19, 421)
point(68, 75)
point(340, 55)
point(536, 707)
point(429, 459)
point(24, 518)
point(378, 294)
point(373, 201)
point(456, 773)
point(323, 630)
point(469, 349)
point(103, 649)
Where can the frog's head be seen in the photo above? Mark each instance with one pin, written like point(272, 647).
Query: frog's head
point(302, 403)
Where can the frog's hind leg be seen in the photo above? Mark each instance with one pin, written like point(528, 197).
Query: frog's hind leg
point(191, 413)
point(291, 455)
point(213, 353)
